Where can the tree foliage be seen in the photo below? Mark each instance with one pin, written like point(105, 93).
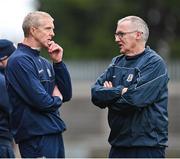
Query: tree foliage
point(85, 28)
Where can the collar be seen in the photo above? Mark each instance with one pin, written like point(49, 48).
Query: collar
point(135, 56)
point(138, 55)
point(33, 50)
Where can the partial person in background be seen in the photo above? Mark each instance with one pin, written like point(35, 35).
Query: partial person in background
point(37, 89)
point(134, 89)
point(6, 140)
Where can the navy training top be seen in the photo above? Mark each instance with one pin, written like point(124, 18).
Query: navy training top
point(139, 117)
point(5, 111)
point(30, 81)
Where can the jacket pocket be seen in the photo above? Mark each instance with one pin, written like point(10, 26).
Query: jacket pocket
point(119, 123)
point(142, 122)
point(46, 80)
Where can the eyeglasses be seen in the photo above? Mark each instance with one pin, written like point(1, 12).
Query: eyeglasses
point(121, 34)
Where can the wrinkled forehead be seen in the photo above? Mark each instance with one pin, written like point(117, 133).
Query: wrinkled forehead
point(46, 19)
point(125, 25)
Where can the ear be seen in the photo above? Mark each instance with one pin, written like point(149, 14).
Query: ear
point(139, 35)
point(32, 30)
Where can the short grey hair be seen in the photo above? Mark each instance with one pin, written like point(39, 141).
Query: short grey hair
point(139, 24)
point(32, 19)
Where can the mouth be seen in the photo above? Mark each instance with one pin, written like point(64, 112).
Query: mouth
point(120, 45)
point(49, 42)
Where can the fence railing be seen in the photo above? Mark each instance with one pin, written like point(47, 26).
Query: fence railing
point(90, 70)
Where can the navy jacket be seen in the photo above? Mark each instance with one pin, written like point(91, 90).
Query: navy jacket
point(5, 110)
point(30, 82)
point(139, 117)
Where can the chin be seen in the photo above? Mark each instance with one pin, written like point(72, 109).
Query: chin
point(121, 51)
point(44, 46)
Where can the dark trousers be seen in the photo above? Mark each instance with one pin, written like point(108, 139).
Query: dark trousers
point(137, 152)
point(6, 149)
point(49, 146)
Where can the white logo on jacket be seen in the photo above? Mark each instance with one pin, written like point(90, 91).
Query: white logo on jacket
point(40, 71)
point(49, 72)
point(130, 77)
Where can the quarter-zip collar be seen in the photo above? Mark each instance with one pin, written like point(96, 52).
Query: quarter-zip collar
point(28, 49)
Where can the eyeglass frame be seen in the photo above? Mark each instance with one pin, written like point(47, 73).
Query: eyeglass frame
point(121, 34)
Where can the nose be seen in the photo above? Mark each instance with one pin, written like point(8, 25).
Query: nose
point(117, 39)
point(52, 33)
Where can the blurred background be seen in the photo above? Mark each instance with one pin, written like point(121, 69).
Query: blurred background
point(85, 29)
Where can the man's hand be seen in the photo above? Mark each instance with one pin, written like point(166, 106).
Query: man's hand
point(108, 84)
point(56, 92)
point(55, 52)
point(124, 90)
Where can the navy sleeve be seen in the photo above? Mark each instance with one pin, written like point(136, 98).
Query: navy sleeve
point(63, 80)
point(101, 96)
point(4, 99)
point(147, 88)
point(24, 79)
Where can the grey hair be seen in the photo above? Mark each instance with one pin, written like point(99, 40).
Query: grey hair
point(33, 19)
point(139, 24)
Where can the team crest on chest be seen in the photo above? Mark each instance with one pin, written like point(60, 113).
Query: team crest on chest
point(130, 77)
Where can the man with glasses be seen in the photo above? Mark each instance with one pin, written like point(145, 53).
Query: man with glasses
point(134, 89)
